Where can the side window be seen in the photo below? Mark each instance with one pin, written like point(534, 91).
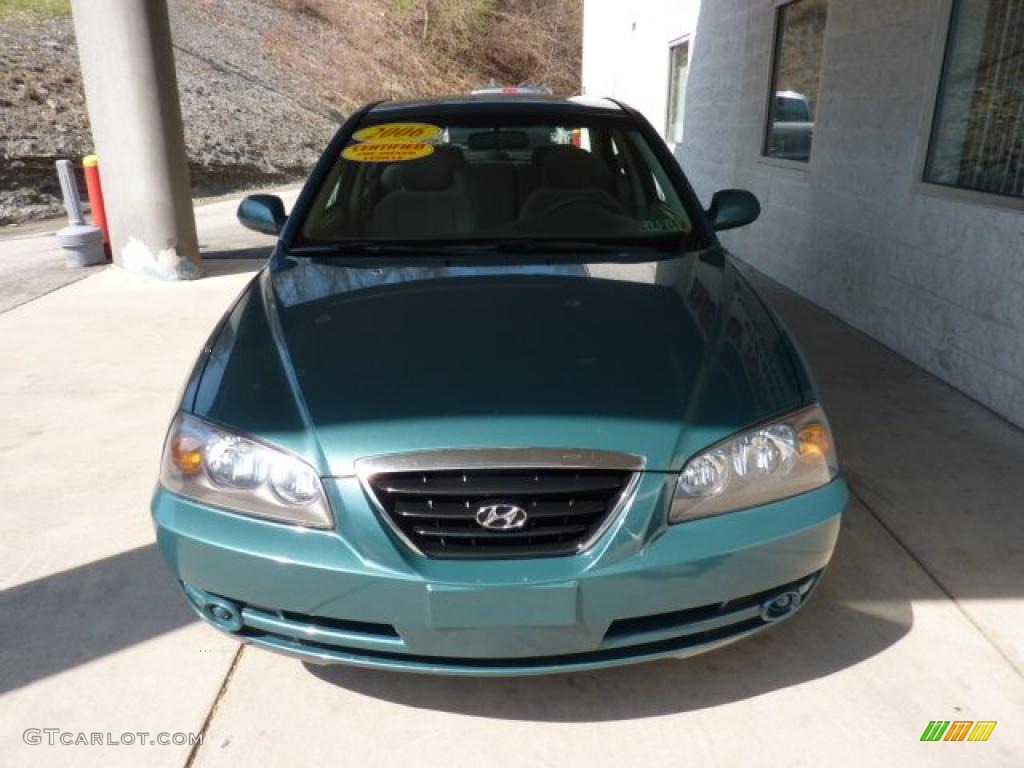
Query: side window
point(979, 115)
point(663, 206)
point(796, 74)
point(329, 200)
point(678, 70)
point(646, 191)
point(623, 171)
point(332, 199)
point(658, 191)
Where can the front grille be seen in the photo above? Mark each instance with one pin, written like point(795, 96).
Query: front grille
point(437, 511)
point(311, 623)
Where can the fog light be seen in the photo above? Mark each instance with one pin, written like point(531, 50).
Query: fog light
point(780, 606)
point(221, 613)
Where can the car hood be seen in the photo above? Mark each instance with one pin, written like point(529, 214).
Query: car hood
point(657, 359)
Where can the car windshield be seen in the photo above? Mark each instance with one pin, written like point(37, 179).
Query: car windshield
point(505, 179)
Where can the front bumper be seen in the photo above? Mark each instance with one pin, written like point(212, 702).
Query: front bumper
point(355, 595)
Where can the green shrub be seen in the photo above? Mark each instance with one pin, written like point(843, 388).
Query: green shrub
point(38, 8)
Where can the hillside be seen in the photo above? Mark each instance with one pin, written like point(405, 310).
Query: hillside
point(264, 83)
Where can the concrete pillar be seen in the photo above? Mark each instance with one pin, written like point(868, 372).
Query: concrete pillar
point(132, 93)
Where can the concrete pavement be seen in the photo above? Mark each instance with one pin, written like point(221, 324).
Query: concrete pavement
point(32, 264)
point(918, 618)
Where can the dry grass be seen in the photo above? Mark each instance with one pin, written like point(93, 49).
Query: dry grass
point(369, 49)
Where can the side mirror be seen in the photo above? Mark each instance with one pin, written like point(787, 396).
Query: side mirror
point(731, 208)
point(262, 213)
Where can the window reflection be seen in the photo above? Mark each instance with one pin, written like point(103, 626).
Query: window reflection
point(978, 135)
point(679, 62)
point(796, 69)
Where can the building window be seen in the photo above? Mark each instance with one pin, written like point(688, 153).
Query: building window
point(678, 67)
point(796, 72)
point(978, 130)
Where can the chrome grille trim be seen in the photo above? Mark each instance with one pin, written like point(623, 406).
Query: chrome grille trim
point(502, 459)
point(497, 458)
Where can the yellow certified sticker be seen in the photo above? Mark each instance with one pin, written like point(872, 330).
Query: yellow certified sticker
point(380, 152)
point(394, 133)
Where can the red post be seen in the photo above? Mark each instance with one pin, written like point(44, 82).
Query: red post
point(91, 166)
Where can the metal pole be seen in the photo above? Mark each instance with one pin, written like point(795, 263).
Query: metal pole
point(69, 190)
point(124, 48)
point(82, 243)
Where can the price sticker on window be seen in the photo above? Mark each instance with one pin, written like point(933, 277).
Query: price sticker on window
point(374, 152)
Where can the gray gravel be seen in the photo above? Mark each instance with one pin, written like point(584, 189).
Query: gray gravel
point(248, 120)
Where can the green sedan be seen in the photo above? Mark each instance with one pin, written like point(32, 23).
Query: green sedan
point(498, 404)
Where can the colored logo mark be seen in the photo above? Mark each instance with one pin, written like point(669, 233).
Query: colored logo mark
point(958, 730)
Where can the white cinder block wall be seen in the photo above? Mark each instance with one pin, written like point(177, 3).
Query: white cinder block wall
point(936, 278)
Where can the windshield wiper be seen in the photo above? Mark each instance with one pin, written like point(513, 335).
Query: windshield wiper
point(365, 248)
point(522, 250)
point(511, 245)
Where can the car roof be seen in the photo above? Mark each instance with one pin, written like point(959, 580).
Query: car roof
point(482, 104)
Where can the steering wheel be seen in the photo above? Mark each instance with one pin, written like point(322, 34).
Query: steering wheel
point(584, 198)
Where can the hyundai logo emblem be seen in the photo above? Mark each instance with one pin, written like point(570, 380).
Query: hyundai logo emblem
point(501, 516)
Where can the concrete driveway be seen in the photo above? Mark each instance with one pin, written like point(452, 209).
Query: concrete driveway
point(920, 617)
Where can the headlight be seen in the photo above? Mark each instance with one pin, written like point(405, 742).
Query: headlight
point(211, 465)
point(783, 458)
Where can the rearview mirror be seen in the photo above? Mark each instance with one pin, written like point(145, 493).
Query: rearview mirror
point(499, 140)
point(262, 213)
point(731, 208)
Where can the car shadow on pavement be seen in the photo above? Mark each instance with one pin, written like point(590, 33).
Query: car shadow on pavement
point(859, 610)
point(70, 618)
